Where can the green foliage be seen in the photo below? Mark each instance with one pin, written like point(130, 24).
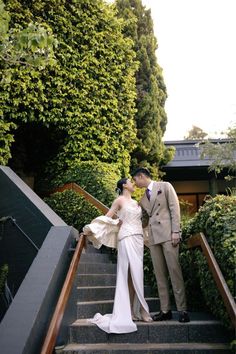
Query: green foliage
point(3, 277)
point(30, 46)
point(89, 95)
point(189, 266)
point(151, 91)
point(149, 275)
point(5, 140)
point(217, 220)
point(72, 208)
point(97, 178)
point(222, 153)
point(195, 133)
point(4, 23)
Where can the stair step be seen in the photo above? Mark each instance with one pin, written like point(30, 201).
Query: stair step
point(95, 258)
point(96, 293)
point(88, 309)
point(82, 331)
point(91, 268)
point(92, 293)
point(147, 348)
point(96, 279)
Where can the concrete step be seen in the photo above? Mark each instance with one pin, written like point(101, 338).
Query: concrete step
point(88, 309)
point(91, 268)
point(96, 279)
point(147, 348)
point(92, 293)
point(90, 249)
point(200, 331)
point(95, 258)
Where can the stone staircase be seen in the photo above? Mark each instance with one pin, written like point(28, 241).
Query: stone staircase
point(96, 287)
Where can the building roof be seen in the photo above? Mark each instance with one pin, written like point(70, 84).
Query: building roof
point(188, 153)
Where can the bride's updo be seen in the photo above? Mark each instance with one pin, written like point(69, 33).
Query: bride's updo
point(120, 185)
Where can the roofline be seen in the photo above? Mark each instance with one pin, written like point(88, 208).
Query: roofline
point(196, 141)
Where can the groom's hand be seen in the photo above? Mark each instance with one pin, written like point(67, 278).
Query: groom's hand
point(175, 239)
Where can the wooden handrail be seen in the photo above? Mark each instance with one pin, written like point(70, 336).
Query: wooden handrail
point(75, 187)
point(55, 323)
point(200, 240)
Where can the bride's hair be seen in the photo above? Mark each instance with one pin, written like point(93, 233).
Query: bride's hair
point(120, 185)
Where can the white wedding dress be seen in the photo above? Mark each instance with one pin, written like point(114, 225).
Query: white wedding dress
point(130, 256)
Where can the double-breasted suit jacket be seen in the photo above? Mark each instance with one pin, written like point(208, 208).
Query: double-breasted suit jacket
point(162, 213)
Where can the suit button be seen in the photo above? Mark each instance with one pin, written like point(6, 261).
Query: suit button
point(157, 214)
point(159, 204)
point(159, 222)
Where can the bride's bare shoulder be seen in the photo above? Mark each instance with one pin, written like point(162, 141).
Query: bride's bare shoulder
point(120, 200)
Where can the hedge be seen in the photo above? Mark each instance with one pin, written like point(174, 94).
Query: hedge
point(217, 220)
point(97, 178)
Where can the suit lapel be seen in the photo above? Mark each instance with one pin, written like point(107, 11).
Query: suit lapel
point(153, 195)
point(149, 205)
point(145, 203)
point(144, 200)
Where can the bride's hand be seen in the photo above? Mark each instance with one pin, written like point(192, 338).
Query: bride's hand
point(120, 222)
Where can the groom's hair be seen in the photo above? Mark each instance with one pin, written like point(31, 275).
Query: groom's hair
point(140, 170)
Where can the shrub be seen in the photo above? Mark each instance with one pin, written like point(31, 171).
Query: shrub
point(97, 178)
point(3, 277)
point(72, 208)
point(217, 220)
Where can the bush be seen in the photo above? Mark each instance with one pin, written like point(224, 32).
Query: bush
point(3, 277)
point(97, 178)
point(216, 219)
point(72, 208)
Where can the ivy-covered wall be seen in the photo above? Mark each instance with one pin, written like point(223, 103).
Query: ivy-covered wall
point(87, 99)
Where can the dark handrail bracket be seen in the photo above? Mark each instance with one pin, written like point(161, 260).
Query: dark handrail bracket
point(200, 240)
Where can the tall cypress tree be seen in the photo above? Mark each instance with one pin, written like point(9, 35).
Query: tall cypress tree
point(151, 91)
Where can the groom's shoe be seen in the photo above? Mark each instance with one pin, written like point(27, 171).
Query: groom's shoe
point(162, 316)
point(184, 317)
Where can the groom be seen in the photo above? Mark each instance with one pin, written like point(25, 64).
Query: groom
point(162, 214)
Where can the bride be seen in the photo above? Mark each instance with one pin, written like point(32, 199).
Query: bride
point(127, 233)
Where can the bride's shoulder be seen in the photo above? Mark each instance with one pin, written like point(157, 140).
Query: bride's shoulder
point(119, 200)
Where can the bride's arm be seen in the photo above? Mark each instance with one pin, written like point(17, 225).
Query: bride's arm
point(112, 212)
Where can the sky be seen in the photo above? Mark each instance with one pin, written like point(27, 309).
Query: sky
point(197, 52)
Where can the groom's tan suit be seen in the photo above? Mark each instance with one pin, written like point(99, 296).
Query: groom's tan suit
point(162, 215)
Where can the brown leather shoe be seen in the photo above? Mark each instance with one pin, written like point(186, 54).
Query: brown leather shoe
point(161, 316)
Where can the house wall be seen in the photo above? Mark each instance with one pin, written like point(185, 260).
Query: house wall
point(194, 192)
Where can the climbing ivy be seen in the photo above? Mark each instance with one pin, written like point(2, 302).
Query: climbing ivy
point(88, 96)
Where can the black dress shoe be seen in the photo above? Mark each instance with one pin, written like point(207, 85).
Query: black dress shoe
point(161, 316)
point(184, 317)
